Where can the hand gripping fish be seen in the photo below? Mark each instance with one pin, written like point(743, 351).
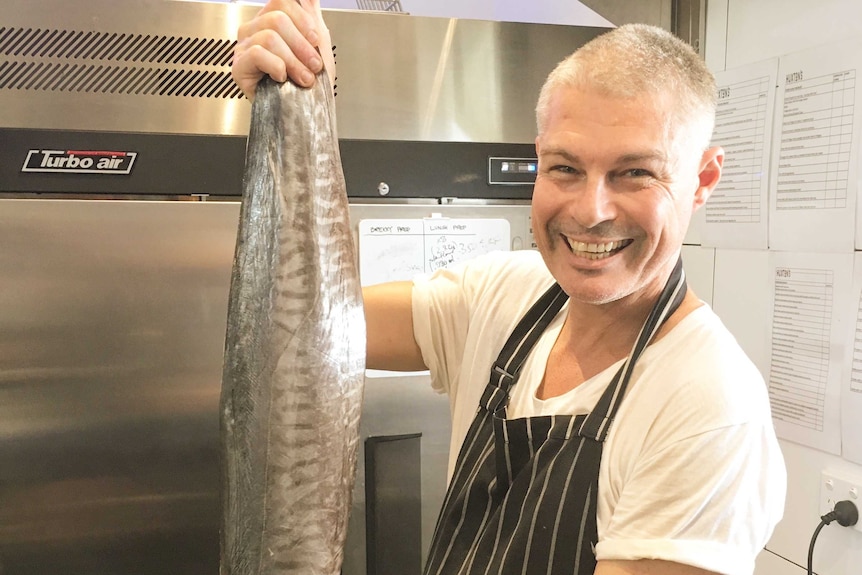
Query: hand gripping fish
point(295, 346)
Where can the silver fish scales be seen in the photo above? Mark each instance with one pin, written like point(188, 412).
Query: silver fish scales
point(295, 346)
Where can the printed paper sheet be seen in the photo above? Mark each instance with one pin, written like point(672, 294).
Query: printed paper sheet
point(736, 214)
point(810, 296)
point(815, 142)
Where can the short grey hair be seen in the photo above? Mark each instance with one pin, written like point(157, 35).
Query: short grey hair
point(638, 59)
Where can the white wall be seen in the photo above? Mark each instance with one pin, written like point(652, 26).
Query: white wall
point(739, 32)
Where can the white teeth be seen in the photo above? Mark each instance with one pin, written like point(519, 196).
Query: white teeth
point(593, 251)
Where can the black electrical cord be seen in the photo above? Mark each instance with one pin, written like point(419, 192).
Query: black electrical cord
point(845, 512)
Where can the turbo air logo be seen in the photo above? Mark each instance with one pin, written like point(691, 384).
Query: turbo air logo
point(79, 162)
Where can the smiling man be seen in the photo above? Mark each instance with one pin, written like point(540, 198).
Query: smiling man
point(605, 422)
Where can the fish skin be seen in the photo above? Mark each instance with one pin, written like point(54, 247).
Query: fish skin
point(295, 346)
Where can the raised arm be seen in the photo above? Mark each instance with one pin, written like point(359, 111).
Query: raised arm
point(283, 40)
point(389, 321)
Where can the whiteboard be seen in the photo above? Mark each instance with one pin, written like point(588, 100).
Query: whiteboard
point(400, 249)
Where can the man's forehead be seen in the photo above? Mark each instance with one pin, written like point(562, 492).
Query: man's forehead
point(568, 104)
point(657, 110)
point(652, 119)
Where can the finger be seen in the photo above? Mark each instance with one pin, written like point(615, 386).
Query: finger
point(324, 45)
point(294, 21)
point(307, 16)
point(278, 32)
point(250, 65)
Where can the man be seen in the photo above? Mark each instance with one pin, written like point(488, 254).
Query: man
point(620, 428)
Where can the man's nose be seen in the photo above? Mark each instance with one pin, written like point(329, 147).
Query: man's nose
point(594, 204)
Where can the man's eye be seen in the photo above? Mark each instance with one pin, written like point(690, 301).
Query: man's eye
point(638, 173)
point(563, 169)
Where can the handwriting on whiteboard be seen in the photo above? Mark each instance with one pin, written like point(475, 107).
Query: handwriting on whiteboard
point(393, 250)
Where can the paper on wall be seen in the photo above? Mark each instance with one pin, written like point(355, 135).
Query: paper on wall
point(812, 204)
point(810, 296)
point(736, 213)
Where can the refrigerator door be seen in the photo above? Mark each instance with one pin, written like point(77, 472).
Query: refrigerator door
point(111, 344)
point(111, 341)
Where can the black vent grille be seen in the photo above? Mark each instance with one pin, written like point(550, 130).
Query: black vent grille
point(105, 62)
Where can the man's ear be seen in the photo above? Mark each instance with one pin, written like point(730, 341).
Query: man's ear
point(709, 174)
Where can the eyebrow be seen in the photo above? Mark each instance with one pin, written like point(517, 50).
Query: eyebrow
point(560, 152)
point(653, 155)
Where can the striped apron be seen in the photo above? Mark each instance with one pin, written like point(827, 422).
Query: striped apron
point(522, 499)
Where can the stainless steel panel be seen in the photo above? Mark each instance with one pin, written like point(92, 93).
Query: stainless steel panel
point(112, 312)
point(396, 405)
point(83, 105)
point(112, 319)
point(111, 338)
point(689, 22)
point(413, 78)
point(399, 77)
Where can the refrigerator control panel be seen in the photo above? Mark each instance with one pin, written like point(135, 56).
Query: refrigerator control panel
point(512, 171)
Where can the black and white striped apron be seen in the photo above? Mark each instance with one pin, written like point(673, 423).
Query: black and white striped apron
point(522, 499)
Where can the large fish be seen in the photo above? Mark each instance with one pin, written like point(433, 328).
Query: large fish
point(295, 346)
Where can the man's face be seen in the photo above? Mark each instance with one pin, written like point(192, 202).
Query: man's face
point(617, 184)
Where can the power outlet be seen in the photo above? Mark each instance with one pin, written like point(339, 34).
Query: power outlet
point(838, 487)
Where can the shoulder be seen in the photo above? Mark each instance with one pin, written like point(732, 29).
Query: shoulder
point(521, 266)
point(694, 381)
point(488, 278)
point(700, 367)
point(694, 391)
point(692, 471)
point(462, 317)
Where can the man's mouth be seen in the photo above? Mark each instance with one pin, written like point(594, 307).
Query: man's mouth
point(596, 251)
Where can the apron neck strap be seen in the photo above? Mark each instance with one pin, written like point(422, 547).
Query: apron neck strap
point(599, 420)
point(508, 365)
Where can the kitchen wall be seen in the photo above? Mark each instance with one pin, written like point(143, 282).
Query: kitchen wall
point(740, 32)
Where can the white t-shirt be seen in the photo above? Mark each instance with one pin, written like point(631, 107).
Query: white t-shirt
point(691, 470)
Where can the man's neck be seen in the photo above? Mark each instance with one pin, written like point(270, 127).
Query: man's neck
point(595, 337)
